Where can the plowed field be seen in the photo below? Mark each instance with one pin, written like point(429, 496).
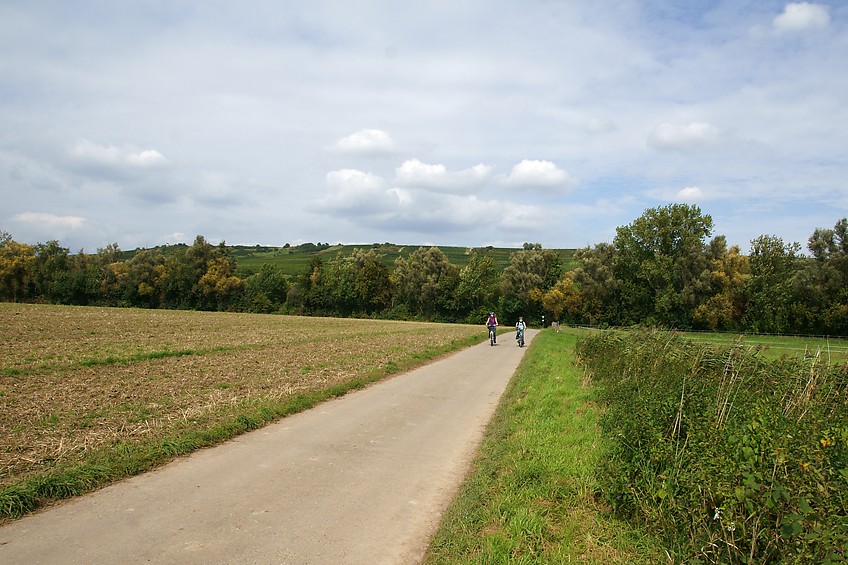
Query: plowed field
point(78, 382)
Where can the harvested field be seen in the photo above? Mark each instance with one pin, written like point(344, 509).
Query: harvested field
point(80, 385)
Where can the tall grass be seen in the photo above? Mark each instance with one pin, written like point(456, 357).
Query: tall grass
point(727, 456)
point(531, 495)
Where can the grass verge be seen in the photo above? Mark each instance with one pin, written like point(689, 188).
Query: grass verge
point(531, 494)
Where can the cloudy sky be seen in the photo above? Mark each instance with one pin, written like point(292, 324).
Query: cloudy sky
point(452, 122)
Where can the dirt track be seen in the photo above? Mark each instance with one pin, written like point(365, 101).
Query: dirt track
point(360, 479)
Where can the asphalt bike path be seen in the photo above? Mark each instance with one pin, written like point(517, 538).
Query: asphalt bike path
point(362, 479)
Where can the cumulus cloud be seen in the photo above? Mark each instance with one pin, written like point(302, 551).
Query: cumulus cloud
point(530, 173)
point(690, 194)
point(89, 152)
point(684, 137)
point(366, 142)
point(50, 221)
point(801, 16)
point(414, 173)
point(366, 200)
point(357, 192)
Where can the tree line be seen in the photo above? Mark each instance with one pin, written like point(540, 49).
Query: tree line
point(664, 269)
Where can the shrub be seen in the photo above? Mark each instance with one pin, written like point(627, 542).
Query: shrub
point(728, 457)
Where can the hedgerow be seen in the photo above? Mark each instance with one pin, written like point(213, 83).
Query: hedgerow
point(727, 456)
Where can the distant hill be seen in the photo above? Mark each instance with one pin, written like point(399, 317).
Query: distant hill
point(293, 260)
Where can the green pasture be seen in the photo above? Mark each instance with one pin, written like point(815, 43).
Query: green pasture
point(834, 350)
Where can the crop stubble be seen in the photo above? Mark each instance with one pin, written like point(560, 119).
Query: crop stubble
point(74, 379)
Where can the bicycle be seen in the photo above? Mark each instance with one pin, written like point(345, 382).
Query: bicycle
point(519, 337)
point(493, 336)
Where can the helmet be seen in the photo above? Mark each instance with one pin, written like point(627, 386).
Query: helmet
point(491, 313)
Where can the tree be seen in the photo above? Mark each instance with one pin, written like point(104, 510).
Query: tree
point(729, 274)
point(821, 285)
point(426, 282)
point(266, 291)
point(662, 266)
point(477, 290)
point(596, 283)
point(371, 282)
point(16, 261)
point(50, 272)
point(773, 267)
point(531, 269)
point(222, 290)
point(564, 297)
point(185, 268)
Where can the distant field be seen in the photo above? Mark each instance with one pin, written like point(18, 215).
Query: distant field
point(834, 350)
point(294, 260)
point(88, 395)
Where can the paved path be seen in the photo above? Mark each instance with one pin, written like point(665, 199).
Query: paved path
point(362, 479)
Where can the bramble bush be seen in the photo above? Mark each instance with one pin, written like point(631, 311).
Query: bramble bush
point(729, 457)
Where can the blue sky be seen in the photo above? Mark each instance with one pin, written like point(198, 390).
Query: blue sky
point(455, 122)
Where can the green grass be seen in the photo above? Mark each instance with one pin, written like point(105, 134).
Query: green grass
point(294, 260)
point(531, 494)
point(834, 350)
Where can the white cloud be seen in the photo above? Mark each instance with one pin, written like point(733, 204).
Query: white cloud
point(690, 194)
point(684, 137)
point(111, 155)
point(801, 16)
point(530, 173)
point(414, 173)
point(366, 142)
point(354, 180)
point(50, 221)
point(363, 199)
point(360, 193)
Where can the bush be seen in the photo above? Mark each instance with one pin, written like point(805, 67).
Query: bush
point(728, 457)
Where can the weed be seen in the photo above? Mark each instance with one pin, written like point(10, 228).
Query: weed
point(728, 456)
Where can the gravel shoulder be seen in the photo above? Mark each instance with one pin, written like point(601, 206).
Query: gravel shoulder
point(360, 479)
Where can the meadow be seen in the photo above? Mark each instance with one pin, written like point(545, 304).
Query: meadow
point(92, 395)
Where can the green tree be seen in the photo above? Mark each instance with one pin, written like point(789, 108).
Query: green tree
point(531, 269)
point(477, 290)
point(426, 283)
point(821, 285)
point(147, 279)
point(595, 281)
point(266, 291)
point(371, 282)
point(769, 290)
point(662, 265)
point(50, 272)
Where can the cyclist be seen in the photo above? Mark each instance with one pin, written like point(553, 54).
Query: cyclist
point(519, 331)
point(491, 324)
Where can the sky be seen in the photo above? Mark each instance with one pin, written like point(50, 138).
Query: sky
point(444, 122)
